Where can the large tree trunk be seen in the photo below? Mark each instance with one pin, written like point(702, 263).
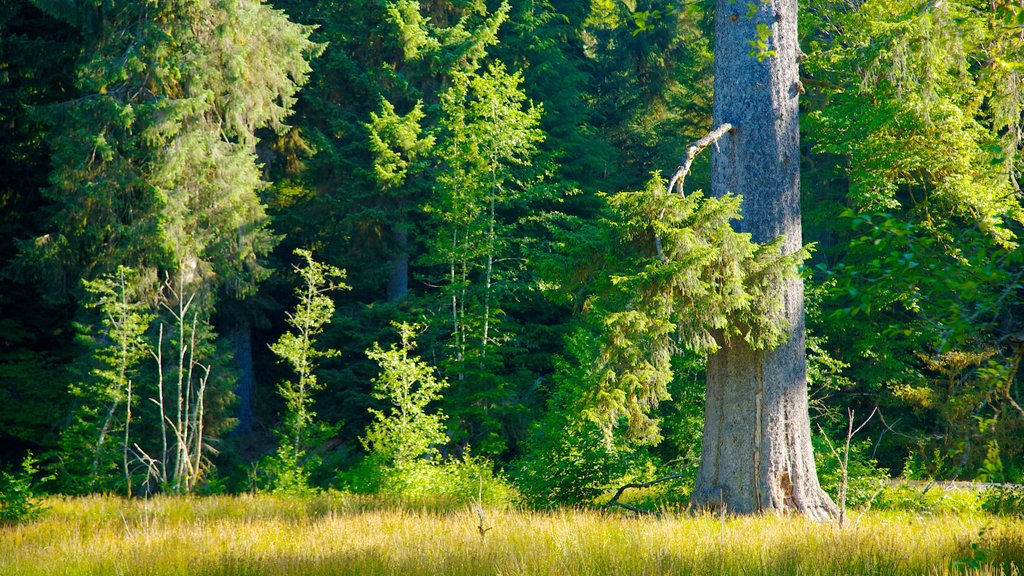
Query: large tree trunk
point(756, 454)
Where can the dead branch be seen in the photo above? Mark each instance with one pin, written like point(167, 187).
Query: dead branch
point(684, 168)
point(615, 499)
point(691, 152)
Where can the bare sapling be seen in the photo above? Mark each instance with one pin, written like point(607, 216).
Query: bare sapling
point(844, 459)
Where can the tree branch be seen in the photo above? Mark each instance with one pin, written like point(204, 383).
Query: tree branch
point(615, 499)
point(677, 179)
point(691, 152)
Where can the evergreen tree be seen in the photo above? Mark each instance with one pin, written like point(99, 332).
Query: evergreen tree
point(154, 163)
point(37, 54)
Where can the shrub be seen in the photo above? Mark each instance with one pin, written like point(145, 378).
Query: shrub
point(571, 463)
point(1003, 500)
point(455, 481)
point(19, 497)
point(865, 478)
point(928, 499)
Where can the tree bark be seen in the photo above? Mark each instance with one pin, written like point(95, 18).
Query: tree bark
point(398, 283)
point(756, 452)
point(240, 334)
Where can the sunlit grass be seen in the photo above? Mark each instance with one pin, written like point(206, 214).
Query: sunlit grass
point(342, 534)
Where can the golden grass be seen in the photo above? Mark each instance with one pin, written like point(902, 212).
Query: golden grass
point(341, 534)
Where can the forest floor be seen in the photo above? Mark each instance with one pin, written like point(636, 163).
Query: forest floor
point(344, 534)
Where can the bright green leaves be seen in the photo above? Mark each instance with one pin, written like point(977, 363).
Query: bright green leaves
point(922, 110)
point(759, 45)
point(487, 187)
point(396, 143)
point(921, 125)
point(92, 446)
point(406, 432)
point(715, 285)
point(297, 347)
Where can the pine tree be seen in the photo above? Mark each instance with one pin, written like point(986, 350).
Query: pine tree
point(154, 163)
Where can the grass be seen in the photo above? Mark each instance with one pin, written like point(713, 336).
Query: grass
point(345, 534)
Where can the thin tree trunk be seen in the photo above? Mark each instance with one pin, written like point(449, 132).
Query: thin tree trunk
point(488, 275)
point(127, 436)
point(123, 377)
point(756, 452)
point(104, 430)
point(160, 395)
point(398, 283)
point(245, 388)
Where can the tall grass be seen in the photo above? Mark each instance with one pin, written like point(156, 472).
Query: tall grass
point(343, 534)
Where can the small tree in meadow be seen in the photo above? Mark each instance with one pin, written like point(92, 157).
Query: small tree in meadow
point(96, 444)
point(405, 433)
point(297, 347)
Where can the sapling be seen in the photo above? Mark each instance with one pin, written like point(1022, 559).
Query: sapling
point(297, 347)
point(104, 411)
point(406, 432)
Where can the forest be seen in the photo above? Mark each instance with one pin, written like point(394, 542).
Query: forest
point(512, 252)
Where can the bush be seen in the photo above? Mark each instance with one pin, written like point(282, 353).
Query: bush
point(865, 478)
point(19, 497)
point(929, 499)
point(464, 481)
point(1003, 500)
point(285, 472)
point(571, 464)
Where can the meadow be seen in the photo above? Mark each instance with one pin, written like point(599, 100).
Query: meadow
point(347, 534)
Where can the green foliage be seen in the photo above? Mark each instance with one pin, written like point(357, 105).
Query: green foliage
point(921, 125)
point(571, 461)
point(298, 348)
point(403, 442)
point(406, 432)
point(470, 479)
point(866, 481)
point(19, 493)
point(96, 441)
point(713, 284)
point(487, 189)
point(452, 151)
point(285, 472)
point(155, 165)
point(1004, 500)
point(923, 274)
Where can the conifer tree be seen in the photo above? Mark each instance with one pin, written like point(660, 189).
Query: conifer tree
point(155, 165)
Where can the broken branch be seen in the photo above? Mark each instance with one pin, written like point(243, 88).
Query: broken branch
point(680, 176)
point(615, 499)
